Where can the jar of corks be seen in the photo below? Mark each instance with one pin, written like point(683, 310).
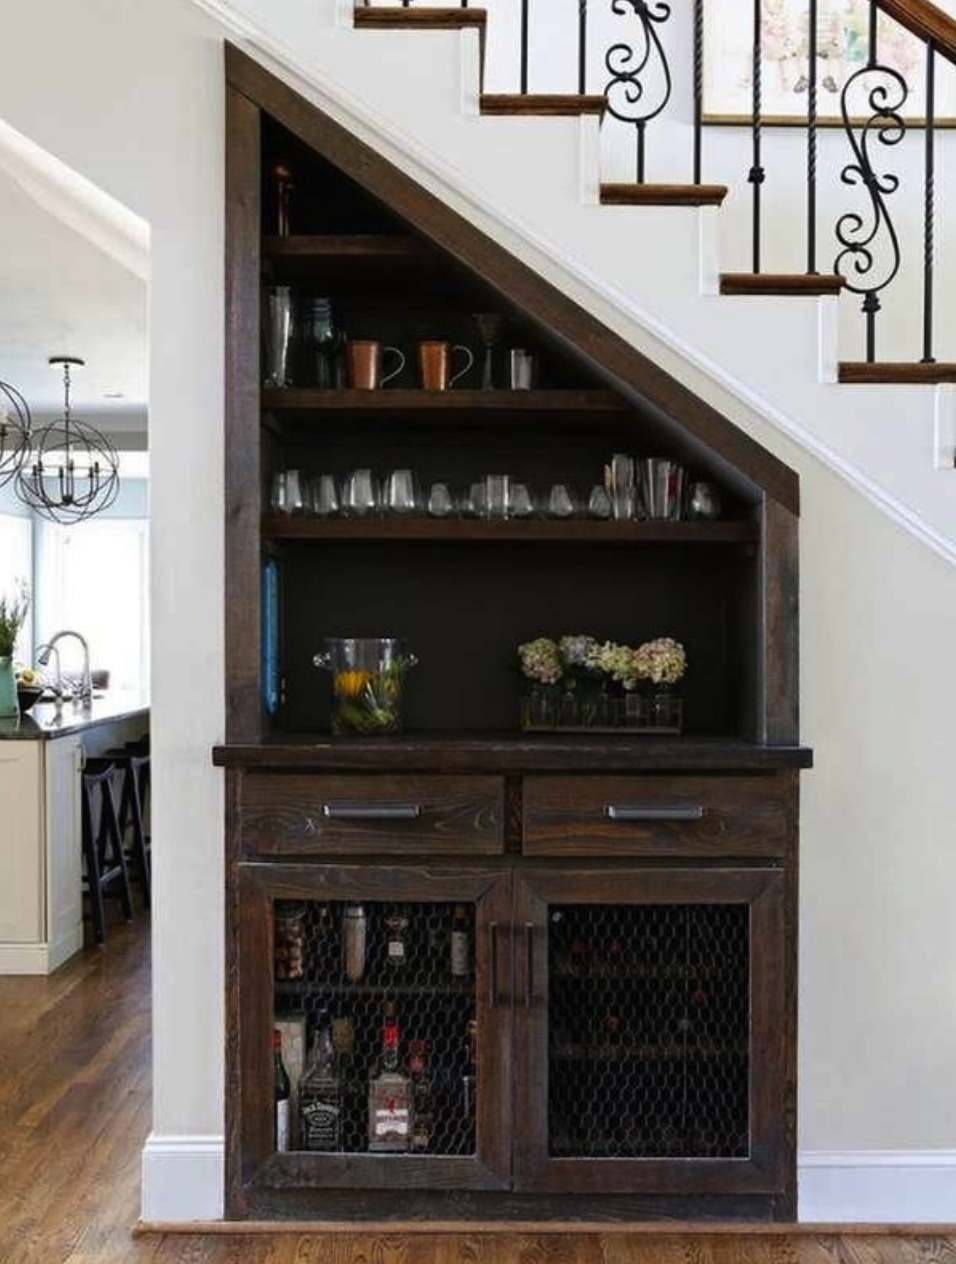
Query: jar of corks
point(290, 942)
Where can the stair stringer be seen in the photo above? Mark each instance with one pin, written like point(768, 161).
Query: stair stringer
point(525, 182)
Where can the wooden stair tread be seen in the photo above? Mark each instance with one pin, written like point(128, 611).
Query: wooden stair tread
point(663, 194)
point(541, 103)
point(901, 372)
point(430, 18)
point(781, 283)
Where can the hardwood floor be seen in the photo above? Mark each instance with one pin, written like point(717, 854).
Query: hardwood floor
point(75, 1110)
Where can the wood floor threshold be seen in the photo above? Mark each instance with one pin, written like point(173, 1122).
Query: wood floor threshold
point(540, 104)
point(779, 283)
point(859, 373)
point(663, 194)
point(443, 1228)
point(426, 18)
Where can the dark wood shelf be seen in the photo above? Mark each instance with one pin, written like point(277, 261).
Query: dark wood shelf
point(510, 752)
point(694, 1051)
point(296, 988)
point(391, 403)
point(367, 246)
point(535, 531)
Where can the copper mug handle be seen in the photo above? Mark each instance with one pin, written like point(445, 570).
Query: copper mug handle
point(470, 364)
point(387, 377)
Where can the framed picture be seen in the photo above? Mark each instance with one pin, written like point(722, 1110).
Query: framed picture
point(842, 50)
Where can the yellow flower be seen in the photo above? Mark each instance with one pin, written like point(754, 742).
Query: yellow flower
point(350, 684)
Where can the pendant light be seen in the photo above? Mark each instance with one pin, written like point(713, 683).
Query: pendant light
point(15, 427)
point(72, 471)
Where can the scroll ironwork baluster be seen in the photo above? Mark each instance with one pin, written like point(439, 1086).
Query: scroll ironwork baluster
point(524, 45)
point(860, 239)
point(698, 88)
point(582, 46)
point(757, 174)
point(813, 50)
point(626, 93)
point(929, 210)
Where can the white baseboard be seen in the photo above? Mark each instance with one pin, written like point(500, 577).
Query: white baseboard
point(885, 1186)
point(183, 1181)
point(183, 1178)
point(24, 959)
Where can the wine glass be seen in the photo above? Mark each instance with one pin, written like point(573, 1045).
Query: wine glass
point(401, 493)
point(361, 498)
point(490, 325)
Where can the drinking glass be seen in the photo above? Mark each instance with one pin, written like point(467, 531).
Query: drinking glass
point(522, 370)
point(280, 330)
point(475, 502)
point(441, 504)
point(325, 496)
point(521, 504)
point(561, 502)
point(621, 487)
point(296, 492)
point(662, 488)
point(360, 498)
point(496, 495)
point(278, 499)
point(490, 325)
point(318, 343)
point(704, 502)
point(599, 502)
point(401, 493)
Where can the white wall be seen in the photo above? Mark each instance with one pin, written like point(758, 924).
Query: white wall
point(134, 101)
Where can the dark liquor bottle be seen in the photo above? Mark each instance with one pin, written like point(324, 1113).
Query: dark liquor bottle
point(389, 1096)
point(469, 1080)
point(320, 1094)
point(396, 924)
point(282, 1090)
point(460, 943)
point(423, 1113)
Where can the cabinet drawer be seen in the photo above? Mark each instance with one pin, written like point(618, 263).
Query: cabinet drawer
point(306, 814)
point(656, 816)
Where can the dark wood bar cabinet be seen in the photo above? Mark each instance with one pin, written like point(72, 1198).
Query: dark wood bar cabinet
point(617, 1039)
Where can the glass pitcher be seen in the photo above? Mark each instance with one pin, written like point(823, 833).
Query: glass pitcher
point(368, 681)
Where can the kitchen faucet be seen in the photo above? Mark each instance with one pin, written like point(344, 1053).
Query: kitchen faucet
point(85, 693)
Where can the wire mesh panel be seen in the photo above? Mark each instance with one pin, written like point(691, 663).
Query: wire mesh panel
point(649, 1026)
point(393, 988)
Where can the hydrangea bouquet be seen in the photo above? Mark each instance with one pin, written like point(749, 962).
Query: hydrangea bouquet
point(578, 682)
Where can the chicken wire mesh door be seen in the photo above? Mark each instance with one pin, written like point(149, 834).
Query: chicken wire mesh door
point(647, 1011)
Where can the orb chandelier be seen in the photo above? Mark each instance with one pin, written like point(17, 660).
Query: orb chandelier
point(72, 471)
point(15, 427)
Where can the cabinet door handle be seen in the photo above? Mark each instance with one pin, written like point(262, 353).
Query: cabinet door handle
point(529, 965)
point(372, 811)
point(493, 965)
point(659, 812)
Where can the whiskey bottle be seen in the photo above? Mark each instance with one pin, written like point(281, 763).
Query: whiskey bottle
point(283, 1095)
point(320, 1095)
point(423, 1115)
point(389, 1098)
point(460, 943)
point(396, 925)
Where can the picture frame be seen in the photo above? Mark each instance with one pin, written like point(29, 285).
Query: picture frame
point(842, 49)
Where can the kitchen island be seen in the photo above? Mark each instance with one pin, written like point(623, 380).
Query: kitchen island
point(41, 756)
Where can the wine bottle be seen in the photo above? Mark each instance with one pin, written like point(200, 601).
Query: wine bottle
point(460, 943)
point(282, 1090)
point(423, 1120)
point(396, 925)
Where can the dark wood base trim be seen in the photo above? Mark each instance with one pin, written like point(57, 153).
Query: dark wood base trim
point(540, 103)
point(778, 283)
point(899, 373)
point(663, 194)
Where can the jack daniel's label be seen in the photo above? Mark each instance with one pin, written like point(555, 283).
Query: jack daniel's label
point(321, 1120)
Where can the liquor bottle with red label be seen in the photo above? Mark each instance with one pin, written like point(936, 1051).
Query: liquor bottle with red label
point(389, 1096)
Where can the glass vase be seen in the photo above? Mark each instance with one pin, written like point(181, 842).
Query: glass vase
point(540, 708)
point(9, 707)
point(368, 683)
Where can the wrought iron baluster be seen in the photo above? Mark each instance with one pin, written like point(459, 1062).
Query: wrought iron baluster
point(859, 239)
point(929, 207)
point(757, 174)
point(626, 93)
point(582, 46)
point(524, 45)
point(698, 88)
point(813, 53)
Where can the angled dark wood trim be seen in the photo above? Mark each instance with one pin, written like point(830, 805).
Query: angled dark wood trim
point(926, 21)
point(426, 17)
point(899, 373)
point(780, 283)
point(622, 365)
point(663, 194)
point(780, 599)
point(541, 103)
point(242, 461)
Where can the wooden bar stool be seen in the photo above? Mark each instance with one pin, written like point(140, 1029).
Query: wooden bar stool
point(103, 854)
point(132, 763)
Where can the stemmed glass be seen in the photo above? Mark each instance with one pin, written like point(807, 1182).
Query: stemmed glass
point(360, 498)
point(490, 325)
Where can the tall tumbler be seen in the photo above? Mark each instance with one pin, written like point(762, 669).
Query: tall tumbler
point(662, 489)
point(279, 332)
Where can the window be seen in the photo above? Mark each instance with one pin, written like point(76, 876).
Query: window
point(94, 578)
point(16, 566)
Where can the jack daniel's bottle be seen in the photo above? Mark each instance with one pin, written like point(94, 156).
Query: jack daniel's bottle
point(389, 1098)
point(320, 1094)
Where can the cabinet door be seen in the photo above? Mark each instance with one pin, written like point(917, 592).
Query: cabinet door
point(296, 958)
point(650, 1031)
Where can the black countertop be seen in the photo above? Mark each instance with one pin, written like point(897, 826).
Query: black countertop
point(48, 720)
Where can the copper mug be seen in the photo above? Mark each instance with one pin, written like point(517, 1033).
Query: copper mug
point(434, 364)
point(364, 360)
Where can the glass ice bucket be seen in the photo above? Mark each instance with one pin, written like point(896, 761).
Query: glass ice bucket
point(368, 682)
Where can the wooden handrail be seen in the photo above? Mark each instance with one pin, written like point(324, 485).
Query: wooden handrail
point(926, 21)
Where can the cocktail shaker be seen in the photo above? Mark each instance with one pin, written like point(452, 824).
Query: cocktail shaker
point(354, 940)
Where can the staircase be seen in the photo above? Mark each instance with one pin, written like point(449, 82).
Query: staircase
point(551, 176)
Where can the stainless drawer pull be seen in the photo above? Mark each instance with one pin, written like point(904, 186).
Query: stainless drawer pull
point(372, 811)
point(674, 812)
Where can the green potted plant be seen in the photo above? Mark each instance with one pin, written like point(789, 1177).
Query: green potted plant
point(13, 613)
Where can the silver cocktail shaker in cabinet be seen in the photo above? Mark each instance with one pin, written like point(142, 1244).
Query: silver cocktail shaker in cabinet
point(354, 938)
